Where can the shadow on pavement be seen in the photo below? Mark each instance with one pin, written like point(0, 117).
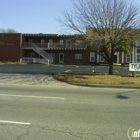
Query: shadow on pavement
point(120, 96)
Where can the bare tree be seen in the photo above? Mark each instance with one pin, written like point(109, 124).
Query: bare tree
point(9, 30)
point(109, 25)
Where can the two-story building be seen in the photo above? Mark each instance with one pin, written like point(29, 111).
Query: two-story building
point(53, 48)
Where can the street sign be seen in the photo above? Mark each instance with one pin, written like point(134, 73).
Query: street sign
point(134, 66)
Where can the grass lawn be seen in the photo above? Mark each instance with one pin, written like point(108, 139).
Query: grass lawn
point(100, 78)
point(10, 62)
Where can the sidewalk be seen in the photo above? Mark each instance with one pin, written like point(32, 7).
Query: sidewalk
point(104, 86)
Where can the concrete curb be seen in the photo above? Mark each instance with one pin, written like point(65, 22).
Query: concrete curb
point(104, 86)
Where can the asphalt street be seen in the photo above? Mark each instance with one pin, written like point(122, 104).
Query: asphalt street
point(49, 69)
point(67, 112)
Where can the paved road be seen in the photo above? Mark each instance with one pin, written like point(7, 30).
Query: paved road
point(49, 69)
point(67, 112)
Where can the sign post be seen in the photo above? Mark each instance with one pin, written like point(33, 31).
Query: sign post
point(134, 60)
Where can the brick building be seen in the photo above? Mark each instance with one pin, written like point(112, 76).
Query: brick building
point(10, 47)
point(53, 48)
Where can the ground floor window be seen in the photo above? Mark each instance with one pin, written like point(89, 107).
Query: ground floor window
point(31, 54)
point(102, 59)
point(138, 58)
point(78, 56)
point(52, 55)
point(128, 58)
point(92, 56)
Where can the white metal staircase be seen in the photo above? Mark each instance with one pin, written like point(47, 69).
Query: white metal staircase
point(42, 53)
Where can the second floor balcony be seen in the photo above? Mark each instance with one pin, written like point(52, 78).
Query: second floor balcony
point(55, 46)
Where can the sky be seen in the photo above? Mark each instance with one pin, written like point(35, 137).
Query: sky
point(34, 16)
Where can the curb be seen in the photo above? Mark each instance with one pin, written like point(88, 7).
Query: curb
point(104, 86)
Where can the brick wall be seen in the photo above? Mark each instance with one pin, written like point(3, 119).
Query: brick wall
point(10, 47)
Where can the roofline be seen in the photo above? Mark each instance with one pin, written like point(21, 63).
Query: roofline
point(48, 35)
point(10, 33)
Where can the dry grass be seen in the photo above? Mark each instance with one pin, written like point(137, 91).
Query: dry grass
point(100, 78)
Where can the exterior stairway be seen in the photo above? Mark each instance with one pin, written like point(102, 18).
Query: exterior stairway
point(42, 53)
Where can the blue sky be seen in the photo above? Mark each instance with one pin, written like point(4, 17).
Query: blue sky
point(33, 16)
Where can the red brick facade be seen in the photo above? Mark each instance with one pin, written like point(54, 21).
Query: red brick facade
point(63, 48)
point(10, 47)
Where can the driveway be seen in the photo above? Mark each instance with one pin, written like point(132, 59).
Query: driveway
point(39, 74)
point(29, 79)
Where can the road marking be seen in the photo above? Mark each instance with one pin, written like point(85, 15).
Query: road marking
point(25, 96)
point(13, 122)
point(68, 71)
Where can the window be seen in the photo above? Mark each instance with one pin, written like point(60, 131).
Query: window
point(138, 58)
point(2, 43)
point(52, 55)
point(68, 43)
point(92, 56)
point(30, 41)
point(42, 41)
point(102, 59)
point(10, 44)
point(78, 56)
point(128, 58)
point(61, 42)
point(51, 42)
point(30, 54)
point(138, 43)
point(78, 42)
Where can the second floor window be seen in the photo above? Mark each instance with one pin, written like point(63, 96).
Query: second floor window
point(30, 41)
point(51, 42)
point(61, 42)
point(42, 41)
point(78, 42)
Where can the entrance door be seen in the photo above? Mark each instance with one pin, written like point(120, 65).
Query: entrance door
point(61, 58)
point(115, 58)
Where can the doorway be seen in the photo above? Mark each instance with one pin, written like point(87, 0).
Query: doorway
point(115, 58)
point(61, 58)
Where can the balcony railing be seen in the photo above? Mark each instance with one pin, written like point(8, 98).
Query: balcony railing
point(35, 60)
point(49, 46)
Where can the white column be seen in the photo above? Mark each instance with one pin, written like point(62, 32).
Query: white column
point(135, 54)
point(122, 57)
point(134, 57)
point(98, 58)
